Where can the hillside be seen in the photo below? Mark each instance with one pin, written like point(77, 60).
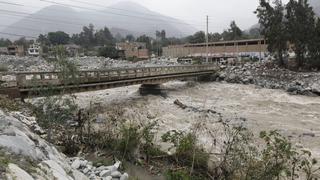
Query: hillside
point(127, 17)
point(316, 6)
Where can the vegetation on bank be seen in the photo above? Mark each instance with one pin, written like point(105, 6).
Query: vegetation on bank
point(291, 27)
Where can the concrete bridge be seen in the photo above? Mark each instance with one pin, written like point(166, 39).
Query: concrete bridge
point(28, 84)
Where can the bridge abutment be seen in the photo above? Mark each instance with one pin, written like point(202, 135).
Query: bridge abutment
point(152, 89)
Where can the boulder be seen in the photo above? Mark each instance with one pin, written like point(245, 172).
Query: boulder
point(116, 174)
point(316, 88)
point(76, 164)
point(15, 172)
point(124, 176)
point(105, 173)
point(108, 178)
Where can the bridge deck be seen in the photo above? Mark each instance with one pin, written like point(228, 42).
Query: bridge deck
point(17, 84)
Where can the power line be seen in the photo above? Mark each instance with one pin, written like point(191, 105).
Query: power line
point(50, 21)
point(18, 27)
point(18, 35)
point(114, 20)
point(44, 19)
point(119, 9)
point(118, 14)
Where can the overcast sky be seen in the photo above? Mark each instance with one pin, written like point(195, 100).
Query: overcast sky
point(220, 12)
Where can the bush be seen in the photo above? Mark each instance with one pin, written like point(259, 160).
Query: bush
point(110, 52)
point(3, 68)
point(177, 175)
point(8, 104)
point(187, 152)
point(129, 141)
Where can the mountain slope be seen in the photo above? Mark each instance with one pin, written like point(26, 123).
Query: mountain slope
point(128, 17)
point(316, 6)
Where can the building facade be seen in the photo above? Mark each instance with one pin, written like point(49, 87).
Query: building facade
point(240, 48)
point(16, 50)
point(133, 49)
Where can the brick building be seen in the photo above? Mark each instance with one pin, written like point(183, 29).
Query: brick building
point(134, 49)
point(239, 48)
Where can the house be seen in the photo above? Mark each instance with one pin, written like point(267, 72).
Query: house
point(16, 50)
point(34, 49)
point(73, 50)
point(4, 51)
point(134, 50)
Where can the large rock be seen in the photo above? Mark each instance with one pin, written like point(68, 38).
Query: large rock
point(15, 172)
point(124, 176)
point(105, 173)
point(76, 164)
point(316, 88)
point(116, 174)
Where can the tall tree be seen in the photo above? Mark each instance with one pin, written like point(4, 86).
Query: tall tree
point(43, 39)
point(271, 18)
point(300, 27)
point(234, 31)
point(5, 42)
point(104, 37)
point(130, 38)
point(86, 37)
point(145, 39)
point(214, 37)
point(314, 59)
point(58, 38)
point(198, 37)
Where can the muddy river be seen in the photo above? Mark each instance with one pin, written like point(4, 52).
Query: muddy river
point(297, 117)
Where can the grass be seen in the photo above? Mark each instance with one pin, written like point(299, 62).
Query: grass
point(8, 104)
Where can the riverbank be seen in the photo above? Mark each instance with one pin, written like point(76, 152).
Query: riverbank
point(270, 76)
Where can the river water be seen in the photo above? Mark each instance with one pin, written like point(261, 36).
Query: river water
point(297, 117)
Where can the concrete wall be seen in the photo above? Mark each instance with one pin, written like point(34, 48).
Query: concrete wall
point(226, 47)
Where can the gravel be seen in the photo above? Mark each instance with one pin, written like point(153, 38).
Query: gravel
point(26, 63)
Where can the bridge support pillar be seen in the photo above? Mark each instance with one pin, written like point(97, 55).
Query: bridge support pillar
point(151, 89)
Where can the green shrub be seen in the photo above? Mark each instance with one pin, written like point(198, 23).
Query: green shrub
point(188, 153)
point(8, 104)
point(177, 175)
point(129, 141)
point(3, 68)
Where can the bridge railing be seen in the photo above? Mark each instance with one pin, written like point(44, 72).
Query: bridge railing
point(32, 79)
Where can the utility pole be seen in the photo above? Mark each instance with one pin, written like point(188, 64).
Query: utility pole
point(207, 41)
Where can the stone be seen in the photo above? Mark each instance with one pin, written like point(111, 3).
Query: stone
point(105, 173)
point(15, 172)
point(310, 134)
point(83, 163)
point(76, 164)
point(108, 178)
point(316, 88)
point(85, 171)
point(116, 174)
point(101, 168)
point(57, 171)
point(78, 175)
point(124, 176)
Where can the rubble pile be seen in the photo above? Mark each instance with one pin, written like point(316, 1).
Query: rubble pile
point(28, 63)
point(101, 172)
point(302, 83)
point(15, 63)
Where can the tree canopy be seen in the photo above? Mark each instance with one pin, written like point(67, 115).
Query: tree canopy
point(58, 38)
